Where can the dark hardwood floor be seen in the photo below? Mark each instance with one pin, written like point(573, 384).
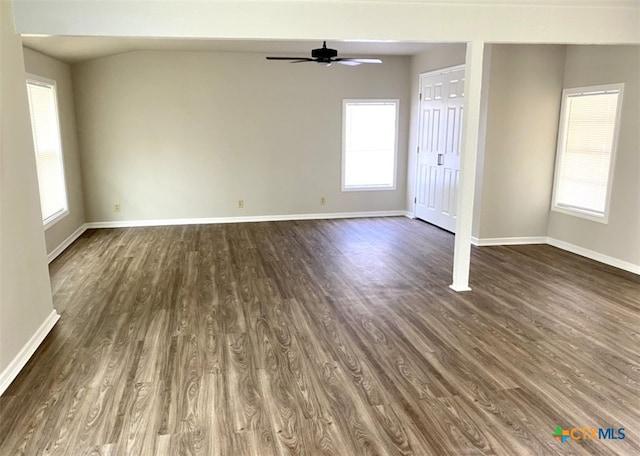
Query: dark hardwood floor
point(326, 338)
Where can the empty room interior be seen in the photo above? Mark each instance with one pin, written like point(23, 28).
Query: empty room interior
point(315, 227)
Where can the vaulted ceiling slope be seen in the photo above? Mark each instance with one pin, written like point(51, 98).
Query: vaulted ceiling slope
point(76, 49)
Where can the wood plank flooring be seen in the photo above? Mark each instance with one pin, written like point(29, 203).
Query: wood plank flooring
point(332, 337)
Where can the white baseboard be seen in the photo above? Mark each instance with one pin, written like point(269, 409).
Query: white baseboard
point(458, 288)
point(509, 241)
point(480, 242)
point(66, 243)
point(594, 255)
point(21, 359)
point(246, 219)
point(591, 254)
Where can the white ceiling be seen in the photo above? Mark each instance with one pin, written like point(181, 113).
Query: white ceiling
point(76, 49)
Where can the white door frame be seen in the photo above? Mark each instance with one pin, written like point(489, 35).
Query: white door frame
point(427, 74)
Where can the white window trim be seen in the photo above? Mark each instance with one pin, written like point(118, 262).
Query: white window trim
point(368, 188)
point(55, 218)
point(58, 216)
point(562, 137)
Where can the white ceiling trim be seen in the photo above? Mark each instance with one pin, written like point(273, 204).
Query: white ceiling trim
point(498, 21)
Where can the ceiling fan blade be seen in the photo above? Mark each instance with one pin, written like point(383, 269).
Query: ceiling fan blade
point(301, 59)
point(356, 60)
point(326, 56)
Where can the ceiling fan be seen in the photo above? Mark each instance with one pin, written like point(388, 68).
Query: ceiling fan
point(326, 56)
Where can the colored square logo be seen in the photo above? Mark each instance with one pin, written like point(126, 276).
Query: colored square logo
point(560, 434)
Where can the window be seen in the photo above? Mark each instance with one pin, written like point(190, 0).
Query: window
point(369, 143)
point(46, 140)
point(586, 151)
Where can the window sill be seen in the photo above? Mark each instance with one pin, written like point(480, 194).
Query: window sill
point(368, 189)
point(55, 219)
point(581, 214)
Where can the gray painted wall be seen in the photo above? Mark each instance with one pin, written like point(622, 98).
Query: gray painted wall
point(25, 289)
point(188, 134)
point(620, 238)
point(521, 99)
point(522, 125)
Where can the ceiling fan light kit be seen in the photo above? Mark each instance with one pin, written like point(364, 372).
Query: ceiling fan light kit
point(326, 56)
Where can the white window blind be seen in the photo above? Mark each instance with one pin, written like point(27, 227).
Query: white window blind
point(586, 148)
point(369, 144)
point(46, 140)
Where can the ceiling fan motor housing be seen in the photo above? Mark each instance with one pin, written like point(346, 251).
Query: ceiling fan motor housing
point(324, 53)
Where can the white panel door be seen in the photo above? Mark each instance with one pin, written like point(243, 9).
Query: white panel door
point(439, 135)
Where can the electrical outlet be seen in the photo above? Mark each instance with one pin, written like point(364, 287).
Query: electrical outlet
point(323, 200)
point(240, 204)
point(116, 207)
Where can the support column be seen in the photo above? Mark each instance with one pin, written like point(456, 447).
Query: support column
point(469, 151)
